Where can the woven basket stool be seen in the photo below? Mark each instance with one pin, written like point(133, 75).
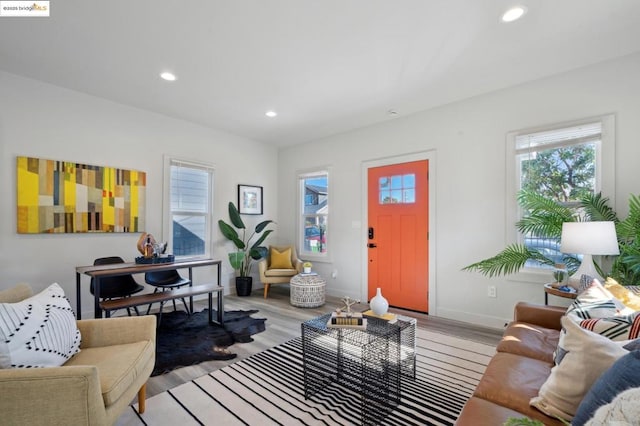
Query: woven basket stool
point(307, 291)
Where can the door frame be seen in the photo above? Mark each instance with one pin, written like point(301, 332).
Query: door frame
point(404, 158)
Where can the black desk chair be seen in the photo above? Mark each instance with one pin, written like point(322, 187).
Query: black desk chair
point(166, 280)
point(116, 287)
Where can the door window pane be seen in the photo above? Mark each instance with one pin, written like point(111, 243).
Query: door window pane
point(397, 189)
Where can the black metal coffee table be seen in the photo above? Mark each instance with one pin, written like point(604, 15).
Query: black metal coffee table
point(367, 365)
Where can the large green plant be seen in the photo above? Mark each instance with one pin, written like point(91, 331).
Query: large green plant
point(544, 219)
point(626, 267)
point(242, 259)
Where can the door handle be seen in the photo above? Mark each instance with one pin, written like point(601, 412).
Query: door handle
point(372, 245)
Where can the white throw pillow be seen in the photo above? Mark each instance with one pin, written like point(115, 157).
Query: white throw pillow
point(623, 410)
point(587, 356)
point(40, 331)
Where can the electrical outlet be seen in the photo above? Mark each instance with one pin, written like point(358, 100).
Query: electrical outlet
point(492, 292)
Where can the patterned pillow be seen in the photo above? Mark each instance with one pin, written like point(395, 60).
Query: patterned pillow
point(40, 331)
point(585, 282)
point(595, 301)
point(596, 309)
point(621, 327)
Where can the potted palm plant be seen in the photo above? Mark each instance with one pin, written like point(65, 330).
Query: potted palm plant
point(544, 220)
point(247, 251)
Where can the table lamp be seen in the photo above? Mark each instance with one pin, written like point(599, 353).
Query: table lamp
point(588, 239)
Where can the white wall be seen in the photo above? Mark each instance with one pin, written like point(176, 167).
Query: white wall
point(470, 211)
point(40, 120)
point(45, 121)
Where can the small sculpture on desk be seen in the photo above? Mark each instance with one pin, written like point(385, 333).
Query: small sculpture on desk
point(348, 303)
point(160, 248)
point(348, 319)
point(152, 251)
point(145, 245)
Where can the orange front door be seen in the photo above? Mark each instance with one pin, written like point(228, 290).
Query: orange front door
point(398, 246)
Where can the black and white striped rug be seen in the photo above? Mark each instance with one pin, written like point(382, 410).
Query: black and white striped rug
point(267, 388)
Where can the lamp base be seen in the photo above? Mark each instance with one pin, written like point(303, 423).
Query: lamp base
point(586, 268)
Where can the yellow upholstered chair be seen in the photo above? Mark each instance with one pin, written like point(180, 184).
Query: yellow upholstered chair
point(95, 386)
point(279, 266)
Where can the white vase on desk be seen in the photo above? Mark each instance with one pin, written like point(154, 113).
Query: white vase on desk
point(378, 304)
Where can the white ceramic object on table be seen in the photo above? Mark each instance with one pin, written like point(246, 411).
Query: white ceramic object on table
point(378, 304)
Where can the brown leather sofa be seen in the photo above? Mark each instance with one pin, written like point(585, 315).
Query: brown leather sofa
point(520, 367)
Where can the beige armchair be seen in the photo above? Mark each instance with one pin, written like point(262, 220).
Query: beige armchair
point(95, 386)
point(271, 273)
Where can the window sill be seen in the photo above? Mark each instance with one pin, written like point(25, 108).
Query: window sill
point(312, 257)
point(531, 275)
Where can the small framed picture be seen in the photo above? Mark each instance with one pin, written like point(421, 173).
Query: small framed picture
point(249, 199)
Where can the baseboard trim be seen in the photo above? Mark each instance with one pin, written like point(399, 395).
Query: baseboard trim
point(483, 320)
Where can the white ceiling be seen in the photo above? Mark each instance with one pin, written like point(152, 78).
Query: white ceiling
point(326, 66)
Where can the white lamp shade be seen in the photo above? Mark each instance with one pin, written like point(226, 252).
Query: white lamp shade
point(597, 238)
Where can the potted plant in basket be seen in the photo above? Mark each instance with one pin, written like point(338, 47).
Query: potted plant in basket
point(242, 259)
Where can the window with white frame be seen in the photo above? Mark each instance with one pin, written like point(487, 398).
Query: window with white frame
point(189, 206)
point(314, 214)
point(561, 163)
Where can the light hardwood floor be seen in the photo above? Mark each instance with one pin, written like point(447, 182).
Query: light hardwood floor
point(283, 324)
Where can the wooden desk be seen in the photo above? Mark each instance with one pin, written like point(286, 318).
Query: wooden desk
point(113, 270)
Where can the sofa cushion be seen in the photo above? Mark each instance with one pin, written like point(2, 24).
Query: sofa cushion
point(280, 272)
point(512, 380)
point(622, 375)
point(39, 331)
point(478, 411)
point(118, 366)
point(532, 341)
point(585, 356)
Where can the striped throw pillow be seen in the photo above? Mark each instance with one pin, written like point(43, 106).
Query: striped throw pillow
point(622, 327)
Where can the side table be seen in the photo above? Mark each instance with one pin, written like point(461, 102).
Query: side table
point(548, 289)
point(307, 291)
point(363, 365)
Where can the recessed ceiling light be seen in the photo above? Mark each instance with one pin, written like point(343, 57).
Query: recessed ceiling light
point(513, 14)
point(270, 114)
point(168, 76)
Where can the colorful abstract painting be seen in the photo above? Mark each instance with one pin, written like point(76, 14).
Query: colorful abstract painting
point(63, 197)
